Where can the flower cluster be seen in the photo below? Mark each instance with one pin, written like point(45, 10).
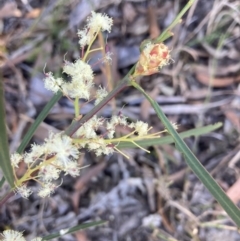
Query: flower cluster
point(152, 59)
point(57, 154)
point(89, 137)
point(105, 143)
point(11, 235)
point(101, 93)
point(80, 72)
point(97, 22)
point(81, 80)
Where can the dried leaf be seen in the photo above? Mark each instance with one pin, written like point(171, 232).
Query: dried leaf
point(10, 10)
point(83, 181)
point(34, 13)
point(154, 29)
point(203, 76)
point(81, 236)
point(234, 191)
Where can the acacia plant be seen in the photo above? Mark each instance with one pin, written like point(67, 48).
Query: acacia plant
point(59, 152)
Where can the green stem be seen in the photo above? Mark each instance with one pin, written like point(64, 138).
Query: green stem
point(73, 229)
point(93, 50)
point(208, 181)
point(89, 46)
point(76, 107)
point(28, 174)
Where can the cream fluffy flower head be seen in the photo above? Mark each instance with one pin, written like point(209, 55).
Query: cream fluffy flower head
point(51, 83)
point(24, 191)
point(82, 80)
point(99, 21)
point(12, 235)
point(16, 159)
point(63, 147)
point(101, 93)
point(95, 23)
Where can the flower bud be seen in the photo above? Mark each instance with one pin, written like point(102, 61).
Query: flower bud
point(152, 58)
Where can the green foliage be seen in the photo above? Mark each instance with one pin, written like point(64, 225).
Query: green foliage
point(195, 165)
point(168, 139)
point(4, 149)
point(74, 229)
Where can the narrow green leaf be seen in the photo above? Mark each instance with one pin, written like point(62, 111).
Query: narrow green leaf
point(195, 165)
point(168, 139)
point(2, 182)
point(38, 121)
point(73, 229)
point(5, 162)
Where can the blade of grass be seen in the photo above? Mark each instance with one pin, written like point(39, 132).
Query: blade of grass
point(74, 229)
point(195, 165)
point(5, 162)
point(38, 121)
point(168, 139)
point(2, 182)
